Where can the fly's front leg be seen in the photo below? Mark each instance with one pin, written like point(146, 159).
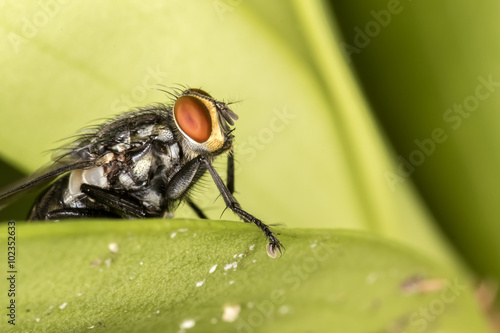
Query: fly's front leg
point(178, 187)
point(230, 172)
point(274, 245)
point(229, 184)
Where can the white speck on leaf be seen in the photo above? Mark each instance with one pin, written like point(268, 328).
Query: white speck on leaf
point(158, 311)
point(188, 323)
point(37, 320)
point(252, 247)
point(214, 267)
point(62, 306)
point(91, 327)
point(199, 284)
point(113, 247)
point(141, 263)
point(231, 312)
point(79, 294)
point(172, 235)
point(183, 230)
point(231, 265)
point(231, 282)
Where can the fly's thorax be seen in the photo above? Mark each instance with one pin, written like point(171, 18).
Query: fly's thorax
point(133, 138)
point(140, 172)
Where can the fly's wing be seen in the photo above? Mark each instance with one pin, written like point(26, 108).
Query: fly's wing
point(39, 179)
point(72, 156)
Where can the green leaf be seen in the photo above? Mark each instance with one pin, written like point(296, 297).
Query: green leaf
point(166, 273)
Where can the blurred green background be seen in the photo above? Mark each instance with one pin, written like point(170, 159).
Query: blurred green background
point(368, 115)
point(426, 70)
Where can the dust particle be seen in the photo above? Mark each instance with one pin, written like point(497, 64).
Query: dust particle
point(231, 265)
point(188, 323)
point(231, 312)
point(419, 284)
point(113, 247)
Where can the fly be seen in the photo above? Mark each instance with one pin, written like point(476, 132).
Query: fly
point(142, 164)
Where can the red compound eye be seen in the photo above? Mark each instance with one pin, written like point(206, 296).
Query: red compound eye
point(193, 118)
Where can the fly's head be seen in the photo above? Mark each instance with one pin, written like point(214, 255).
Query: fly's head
point(204, 122)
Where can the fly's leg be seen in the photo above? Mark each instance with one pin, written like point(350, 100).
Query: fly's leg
point(229, 184)
point(123, 204)
point(274, 245)
point(179, 186)
point(230, 172)
point(74, 213)
point(196, 209)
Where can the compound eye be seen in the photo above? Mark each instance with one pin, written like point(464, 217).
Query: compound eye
point(193, 118)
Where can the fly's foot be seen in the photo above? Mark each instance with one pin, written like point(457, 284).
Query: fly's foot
point(273, 247)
